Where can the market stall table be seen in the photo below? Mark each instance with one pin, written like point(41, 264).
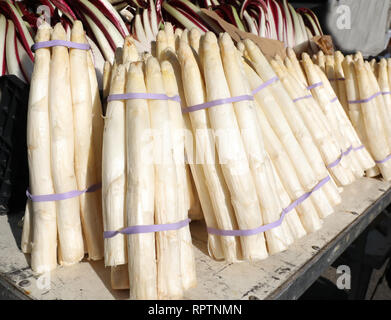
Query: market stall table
point(282, 276)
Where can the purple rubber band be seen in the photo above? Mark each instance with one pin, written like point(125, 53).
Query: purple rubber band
point(62, 196)
point(359, 148)
point(148, 228)
point(302, 98)
point(384, 160)
point(250, 232)
point(343, 154)
point(334, 99)
point(62, 43)
point(385, 92)
point(315, 85)
point(365, 100)
point(264, 85)
point(216, 103)
point(141, 95)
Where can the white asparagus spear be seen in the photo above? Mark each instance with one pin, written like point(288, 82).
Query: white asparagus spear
point(175, 112)
point(194, 92)
point(84, 148)
point(355, 113)
point(169, 30)
point(194, 204)
point(214, 243)
point(373, 122)
point(231, 152)
point(113, 172)
point(140, 194)
point(271, 99)
point(384, 84)
point(325, 142)
point(161, 43)
point(40, 217)
point(169, 282)
point(177, 35)
point(258, 160)
point(291, 55)
point(62, 152)
point(340, 79)
point(330, 73)
point(321, 61)
point(27, 232)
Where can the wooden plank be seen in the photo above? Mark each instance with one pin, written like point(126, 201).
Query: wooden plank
point(284, 275)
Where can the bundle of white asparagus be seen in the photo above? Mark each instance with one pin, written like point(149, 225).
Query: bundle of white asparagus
point(265, 161)
point(64, 138)
point(200, 128)
point(364, 91)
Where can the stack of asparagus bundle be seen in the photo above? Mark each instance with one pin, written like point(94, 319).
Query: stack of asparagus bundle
point(364, 91)
point(145, 184)
point(64, 138)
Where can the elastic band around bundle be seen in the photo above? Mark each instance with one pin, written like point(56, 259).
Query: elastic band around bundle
point(62, 196)
point(264, 85)
point(359, 148)
point(217, 102)
point(141, 95)
point(385, 92)
point(302, 98)
point(384, 160)
point(62, 43)
point(343, 154)
point(334, 99)
point(315, 85)
point(365, 100)
point(275, 224)
point(148, 228)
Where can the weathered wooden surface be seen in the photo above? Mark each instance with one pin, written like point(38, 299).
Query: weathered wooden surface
point(285, 275)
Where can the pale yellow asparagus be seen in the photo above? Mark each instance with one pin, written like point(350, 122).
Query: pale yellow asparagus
point(384, 84)
point(374, 66)
point(231, 151)
point(177, 35)
point(344, 124)
point(272, 99)
point(185, 36)
point(114, 171)
point(177, 126)
point(169, 281)
point(62, 152)
point(27, 232)
point(161, 43)
point(119, 277)
point(169, 30)
point(194, 92)
point(214, 243)
point(259, 162)
point(340, 79)
point(325, 142)
point(291, 55)
point(40, 225)
point(355, 112)
point(140, 193)
point(330, 73)
point(90, 204)
point(373, 122)
point(321, 61)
